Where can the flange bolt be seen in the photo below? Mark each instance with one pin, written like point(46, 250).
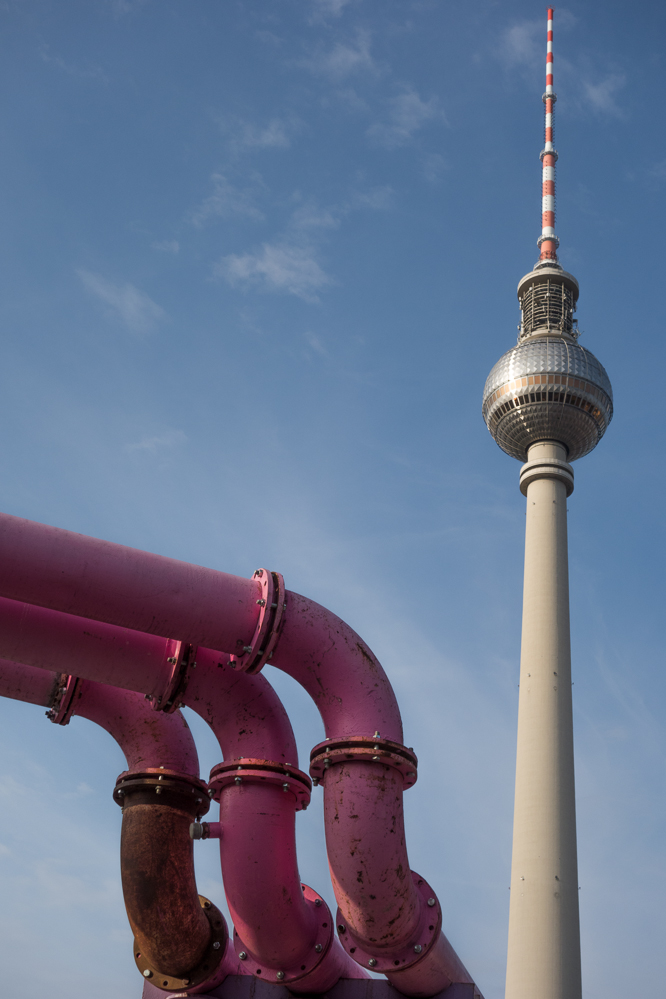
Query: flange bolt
point(242, 956)
point(216, 945)
point(280, 976)
point(372, 962)
point(432, 901)
point(147, 973)
point(318, 948)
point(417, 948)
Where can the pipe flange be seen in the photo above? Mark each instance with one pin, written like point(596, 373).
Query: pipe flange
point(425, 936)
point(272, 605)
point(282, 775)
point(62, 708)
point(206, 967)
point(363, 747)
point(319, 947)
point(178, 790)
point(181, 657)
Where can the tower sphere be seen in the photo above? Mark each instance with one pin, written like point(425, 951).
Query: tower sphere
point(547, 387)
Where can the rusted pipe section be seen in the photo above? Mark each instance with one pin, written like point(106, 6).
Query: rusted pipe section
point(286, 933)
point(386, 912)
point(176, 930)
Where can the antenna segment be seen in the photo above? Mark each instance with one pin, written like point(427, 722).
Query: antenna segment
point(548, 241)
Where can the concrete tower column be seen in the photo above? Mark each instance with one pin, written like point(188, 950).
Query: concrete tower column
point(544, 938)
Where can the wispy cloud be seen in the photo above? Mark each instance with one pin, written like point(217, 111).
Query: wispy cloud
point(407, 114)
point(291, 263)
point(89, 72)
point(327, 8)
point(136, 309)
point(343, 59)
point(277, 267)
point(274, 134)
point(226, 200)
point(600, 97)
point(166, 245)
point(169, 439)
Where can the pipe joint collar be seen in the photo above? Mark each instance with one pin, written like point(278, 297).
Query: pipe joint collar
point(158, 786)
point(207, 967)
point(318, 948)
point(282, 775)
point(387, 959)
point(272, 604)
point(547, 468)
point(367, 749)
point(62, 708)
point(181, 658)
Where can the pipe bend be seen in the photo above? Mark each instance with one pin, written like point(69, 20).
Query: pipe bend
point(175, 929)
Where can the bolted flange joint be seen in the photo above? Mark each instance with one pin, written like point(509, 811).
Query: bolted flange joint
point(205, 970)
point(368, 749)
point(177, 790)
point(181, 658)
point(272, 604)
point(308, 962)
point(386, 959)
point(62, 708)
point(288, 779)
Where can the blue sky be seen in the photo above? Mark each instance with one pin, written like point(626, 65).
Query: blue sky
point(256, 261)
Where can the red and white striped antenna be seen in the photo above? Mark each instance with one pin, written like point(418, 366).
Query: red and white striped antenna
point(548, 241)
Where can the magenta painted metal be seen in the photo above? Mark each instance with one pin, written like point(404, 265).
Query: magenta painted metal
point(108, 582)
point(362, 795)
point(26, 683)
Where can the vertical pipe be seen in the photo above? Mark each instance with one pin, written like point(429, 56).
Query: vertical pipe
point(544, 938)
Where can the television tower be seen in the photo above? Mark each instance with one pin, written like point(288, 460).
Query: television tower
point(547, 402)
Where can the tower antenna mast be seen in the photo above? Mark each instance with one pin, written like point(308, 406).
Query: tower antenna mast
point(547, 402)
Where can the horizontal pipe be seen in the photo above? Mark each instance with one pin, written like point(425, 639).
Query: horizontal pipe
point(107, 582)
point(27, 683)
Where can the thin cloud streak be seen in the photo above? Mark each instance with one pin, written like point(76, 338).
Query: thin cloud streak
point(408, 113)
point(133, 307)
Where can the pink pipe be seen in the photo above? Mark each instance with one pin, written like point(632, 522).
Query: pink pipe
point(259, 868)
point(151, 741)
point(317, 648)
point(123, 586)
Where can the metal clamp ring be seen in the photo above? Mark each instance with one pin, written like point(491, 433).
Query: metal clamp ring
point(272, 605)
point(281, 775)
point(206, 967)
point(176, 789)
point(362, 747)
point(181, 657)
point(385, 959)
point(62, 708)
point(320, 946)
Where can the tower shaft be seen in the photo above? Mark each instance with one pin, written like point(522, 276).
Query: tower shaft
point(544, 939)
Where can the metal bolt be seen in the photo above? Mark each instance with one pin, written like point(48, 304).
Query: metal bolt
point(411, 774)
point(317, 902)
point(417, 948)
point(375, 749)
point(273, 606)
point(147, 973)
point(172, 660)
point(120, 792)
point(342, 929)
point(216, 945)
point(318, 948)
point(377, 735)
point(242, 956)
point(285, 787)
point(372, 962)
point(247, 648)
point(280, 976)
point(210, 792)
point(432, 901)
point(158, 790)
point(238, 780)
point(375, 757)
point(262, 603)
